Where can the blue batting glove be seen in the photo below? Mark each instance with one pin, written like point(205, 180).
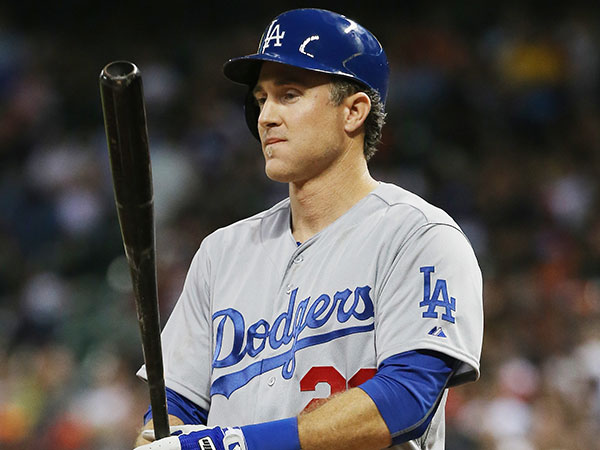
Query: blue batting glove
point(216, 438)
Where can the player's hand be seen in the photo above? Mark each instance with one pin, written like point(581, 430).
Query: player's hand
point(197, 437)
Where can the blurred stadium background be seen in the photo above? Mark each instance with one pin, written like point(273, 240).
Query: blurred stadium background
point(494, 115)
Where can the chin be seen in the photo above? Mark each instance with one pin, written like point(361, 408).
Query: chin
point(279, 177)
point(277, 173)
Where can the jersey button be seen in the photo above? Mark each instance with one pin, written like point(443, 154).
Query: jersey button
point(289, 289)
point(271, 381)
point(298, 259)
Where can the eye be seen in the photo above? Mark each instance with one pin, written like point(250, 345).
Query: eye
point(289, 96)
point(260, 100)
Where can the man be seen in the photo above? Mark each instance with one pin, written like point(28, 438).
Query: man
point(350, 289)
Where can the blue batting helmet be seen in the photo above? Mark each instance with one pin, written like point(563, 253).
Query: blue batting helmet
point(313, 39)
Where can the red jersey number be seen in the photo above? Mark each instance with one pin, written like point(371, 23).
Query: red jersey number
point(337, 383)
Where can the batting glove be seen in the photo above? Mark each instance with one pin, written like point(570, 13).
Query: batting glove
point(197, 437)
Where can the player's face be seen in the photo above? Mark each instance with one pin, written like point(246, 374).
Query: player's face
point(301, 130)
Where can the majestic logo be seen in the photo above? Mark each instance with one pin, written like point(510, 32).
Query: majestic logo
point(437, 331)
point(286, 329)
point(273, 34)
point(438, 299)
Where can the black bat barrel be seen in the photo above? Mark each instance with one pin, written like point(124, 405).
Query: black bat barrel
point(127, 136)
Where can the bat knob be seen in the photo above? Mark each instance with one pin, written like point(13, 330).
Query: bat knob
point(119, 72)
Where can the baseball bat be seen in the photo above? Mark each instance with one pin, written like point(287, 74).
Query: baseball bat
point(124, 112)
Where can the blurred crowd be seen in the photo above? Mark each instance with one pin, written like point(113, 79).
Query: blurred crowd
point(493, 115)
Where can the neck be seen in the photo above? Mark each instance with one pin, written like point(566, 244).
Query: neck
point(318, 202)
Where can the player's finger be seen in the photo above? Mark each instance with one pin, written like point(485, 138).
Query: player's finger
point(148, 435)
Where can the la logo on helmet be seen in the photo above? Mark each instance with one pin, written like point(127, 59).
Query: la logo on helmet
point(273, 34)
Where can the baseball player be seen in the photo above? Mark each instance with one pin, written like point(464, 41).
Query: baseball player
point(338, 318)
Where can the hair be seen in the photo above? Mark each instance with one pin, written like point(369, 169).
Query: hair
point(342, 88)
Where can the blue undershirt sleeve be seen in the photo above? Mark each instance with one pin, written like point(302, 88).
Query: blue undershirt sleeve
point(407, 389)
point(181, 407)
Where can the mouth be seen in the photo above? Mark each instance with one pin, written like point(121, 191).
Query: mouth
point(273, 140)
point(268, 145)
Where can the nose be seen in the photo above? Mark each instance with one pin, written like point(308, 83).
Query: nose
point(269, 115)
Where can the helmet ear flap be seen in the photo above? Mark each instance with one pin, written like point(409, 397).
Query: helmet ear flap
point(252, 113)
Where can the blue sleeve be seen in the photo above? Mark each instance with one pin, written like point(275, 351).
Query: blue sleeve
point(407, 389)
point(179, 406)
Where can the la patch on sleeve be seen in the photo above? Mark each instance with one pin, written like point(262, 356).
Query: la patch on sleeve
point(439, 300)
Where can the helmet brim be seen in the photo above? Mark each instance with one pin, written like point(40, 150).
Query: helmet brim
point(245, 69)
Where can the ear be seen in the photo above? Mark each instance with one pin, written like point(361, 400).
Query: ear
point(357, 109)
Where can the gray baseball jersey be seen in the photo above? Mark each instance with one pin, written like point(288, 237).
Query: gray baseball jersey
point(264, 327)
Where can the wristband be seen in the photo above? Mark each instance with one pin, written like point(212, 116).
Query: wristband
point(275, 435)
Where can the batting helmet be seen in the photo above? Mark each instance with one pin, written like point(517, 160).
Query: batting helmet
point(313, 39)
